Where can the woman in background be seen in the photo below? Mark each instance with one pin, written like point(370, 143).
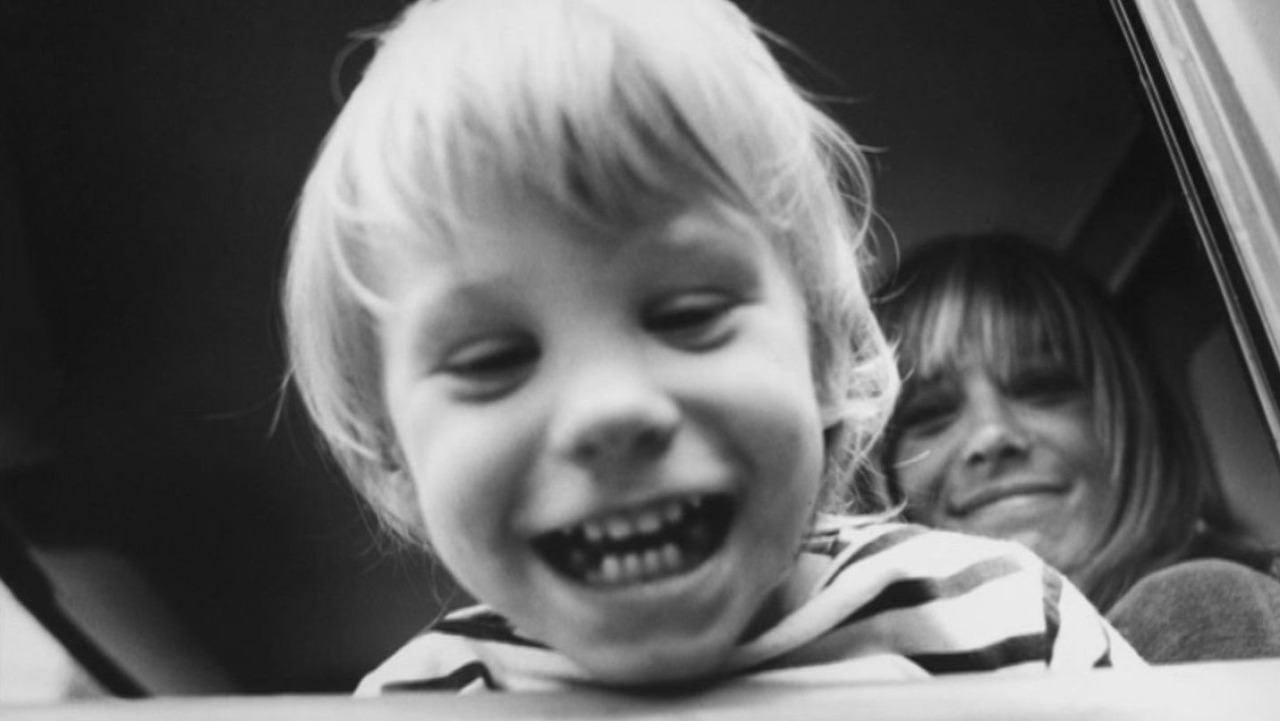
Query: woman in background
point(1029, 414)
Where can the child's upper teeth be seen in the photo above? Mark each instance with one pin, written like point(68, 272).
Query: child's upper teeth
point(594, 531)
point(673, 511)
point(619, 527)
point(649, 522)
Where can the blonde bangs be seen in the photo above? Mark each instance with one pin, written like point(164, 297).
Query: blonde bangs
point(999, 322)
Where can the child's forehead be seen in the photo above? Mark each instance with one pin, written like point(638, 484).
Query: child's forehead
point(512, 237)
point(693, 224)
point(533, 270)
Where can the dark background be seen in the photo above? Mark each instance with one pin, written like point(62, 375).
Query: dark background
point(150, 153)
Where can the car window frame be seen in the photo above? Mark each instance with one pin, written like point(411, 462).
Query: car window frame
point(1192, 69)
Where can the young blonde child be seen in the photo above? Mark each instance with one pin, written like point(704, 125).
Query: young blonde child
point(574, 297)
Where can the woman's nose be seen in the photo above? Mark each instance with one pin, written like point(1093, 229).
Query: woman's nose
point(996, 433)
point(613, 414)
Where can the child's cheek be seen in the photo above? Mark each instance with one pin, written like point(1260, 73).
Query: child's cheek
point(465, 466)
point(762, 389)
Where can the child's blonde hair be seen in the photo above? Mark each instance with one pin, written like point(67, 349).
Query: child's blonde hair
point(609, 110)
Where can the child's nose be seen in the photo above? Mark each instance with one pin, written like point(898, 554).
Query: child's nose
point(613, 413)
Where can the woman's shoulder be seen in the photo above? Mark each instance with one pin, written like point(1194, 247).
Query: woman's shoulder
point(1216, 581)
point(1200, 610)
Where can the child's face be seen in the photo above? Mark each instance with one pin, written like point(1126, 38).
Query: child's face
point(615, 441)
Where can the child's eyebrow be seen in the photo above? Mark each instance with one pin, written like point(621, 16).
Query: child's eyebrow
point(439, 283)
point(720, 230)
point(444, 309)
point(720, 239)
point(708, 254)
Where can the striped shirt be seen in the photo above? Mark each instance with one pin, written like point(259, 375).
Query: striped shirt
point(895, 602)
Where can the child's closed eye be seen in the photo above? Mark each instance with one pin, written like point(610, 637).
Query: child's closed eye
point(490, 367)
point(697, 320)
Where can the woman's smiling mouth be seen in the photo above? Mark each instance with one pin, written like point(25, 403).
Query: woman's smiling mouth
point(994, 493)
point(657, 541)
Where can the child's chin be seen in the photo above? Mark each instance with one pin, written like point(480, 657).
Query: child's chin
point(677, 633)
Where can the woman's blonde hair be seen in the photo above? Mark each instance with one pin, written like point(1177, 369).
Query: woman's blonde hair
point(608, 110)
point(998, 301)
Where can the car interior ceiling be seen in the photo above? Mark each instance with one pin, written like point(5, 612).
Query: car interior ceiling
point(164, 505)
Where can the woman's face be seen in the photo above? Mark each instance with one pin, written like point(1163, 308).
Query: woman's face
point(1017, 458)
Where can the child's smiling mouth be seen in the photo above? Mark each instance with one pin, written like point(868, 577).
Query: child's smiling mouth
point(651, 543)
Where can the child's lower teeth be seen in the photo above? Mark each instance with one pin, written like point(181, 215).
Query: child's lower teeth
point(619, 569)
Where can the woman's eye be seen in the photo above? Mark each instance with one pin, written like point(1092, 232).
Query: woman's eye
point(1045, 386)
point(925, 416)
point(490, 367)
point(694, 319)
